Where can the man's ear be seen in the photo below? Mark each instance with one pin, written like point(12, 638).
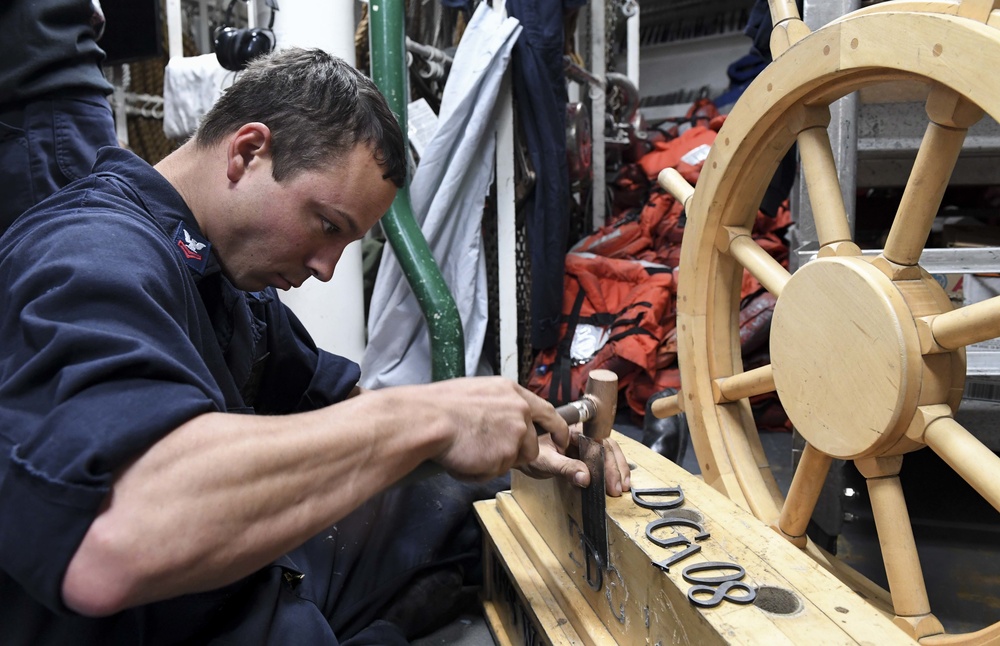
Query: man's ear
point(251, 142)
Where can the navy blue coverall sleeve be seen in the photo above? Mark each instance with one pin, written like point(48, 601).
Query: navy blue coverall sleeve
point(301, 377)
point(97, 365)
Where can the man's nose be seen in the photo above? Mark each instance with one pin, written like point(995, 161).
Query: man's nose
point(325, 262)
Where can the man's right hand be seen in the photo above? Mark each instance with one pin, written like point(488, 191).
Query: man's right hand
point(490, 425)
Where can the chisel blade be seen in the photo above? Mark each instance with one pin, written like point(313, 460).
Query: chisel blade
point(594, 503)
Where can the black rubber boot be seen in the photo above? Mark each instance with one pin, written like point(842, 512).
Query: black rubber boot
point(432, 600)
point(667, 436)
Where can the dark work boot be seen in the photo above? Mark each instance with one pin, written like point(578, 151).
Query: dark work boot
point(667, 436)
point(433, 599)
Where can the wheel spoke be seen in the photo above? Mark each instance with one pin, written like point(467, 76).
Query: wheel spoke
point(967, 456)
point(804, 491)
point(788, 26)
point(988, 635)
point(674, 183)
point(973, 323)
point(745, 384)
point(950, 117)
point(754, 259)
point(921, 199)
point(782, 10)
point(899, 550)
point(667, 406)
point(820, 171)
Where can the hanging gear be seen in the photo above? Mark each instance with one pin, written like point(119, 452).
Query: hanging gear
point(614, 316)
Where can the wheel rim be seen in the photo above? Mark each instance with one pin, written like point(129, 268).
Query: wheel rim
point(888, 307)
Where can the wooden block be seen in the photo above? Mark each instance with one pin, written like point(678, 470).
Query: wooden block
point(536, 543)
point(517, 603)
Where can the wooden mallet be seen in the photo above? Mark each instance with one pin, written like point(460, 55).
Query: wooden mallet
point(597, 408)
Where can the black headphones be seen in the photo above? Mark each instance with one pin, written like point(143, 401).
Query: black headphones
point(236, 47)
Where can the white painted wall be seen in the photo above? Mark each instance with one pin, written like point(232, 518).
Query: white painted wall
point(687, 65)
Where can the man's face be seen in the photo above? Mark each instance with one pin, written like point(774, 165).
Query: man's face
point(281, 233)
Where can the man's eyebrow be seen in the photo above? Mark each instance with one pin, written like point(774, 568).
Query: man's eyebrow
point(337, 216)
point(352, 224)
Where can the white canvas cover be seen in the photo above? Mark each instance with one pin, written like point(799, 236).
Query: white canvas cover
point(447, 195)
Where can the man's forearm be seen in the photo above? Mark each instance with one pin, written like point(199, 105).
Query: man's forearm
point(224, 495)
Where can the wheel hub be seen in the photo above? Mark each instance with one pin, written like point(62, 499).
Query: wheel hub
point(846, 357)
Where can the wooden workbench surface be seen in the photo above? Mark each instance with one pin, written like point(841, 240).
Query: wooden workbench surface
point(537, 589)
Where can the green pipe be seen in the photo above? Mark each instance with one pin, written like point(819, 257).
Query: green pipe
point(388, 55)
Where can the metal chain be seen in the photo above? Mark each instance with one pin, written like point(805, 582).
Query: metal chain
point(610, 25)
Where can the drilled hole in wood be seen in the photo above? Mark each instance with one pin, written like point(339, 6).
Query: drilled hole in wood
point(777, 601)
point(686, 514)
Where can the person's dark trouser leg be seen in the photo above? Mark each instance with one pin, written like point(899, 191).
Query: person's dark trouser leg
point(47, 144)
point(361, 564)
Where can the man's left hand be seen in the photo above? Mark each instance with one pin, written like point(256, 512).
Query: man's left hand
point(550, 462)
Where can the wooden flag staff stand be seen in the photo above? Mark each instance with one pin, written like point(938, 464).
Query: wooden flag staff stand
point(537, 589)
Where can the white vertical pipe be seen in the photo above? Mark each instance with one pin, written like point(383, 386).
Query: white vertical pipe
point(632, 47)
point(175, 45)
point(506, 233)
point(572, 87)
point(328, 25)
point(121, 76)
point(506, 227)
point(333, 312)
point(599, 68)
point(204, 37)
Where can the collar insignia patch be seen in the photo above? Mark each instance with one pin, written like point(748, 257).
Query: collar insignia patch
point(194, 248)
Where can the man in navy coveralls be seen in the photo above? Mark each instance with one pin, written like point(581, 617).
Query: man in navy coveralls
point(178, 462)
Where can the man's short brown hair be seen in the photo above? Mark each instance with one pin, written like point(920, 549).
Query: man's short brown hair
point(317, 107)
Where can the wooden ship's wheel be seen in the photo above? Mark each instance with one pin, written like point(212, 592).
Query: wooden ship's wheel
point(867, 353)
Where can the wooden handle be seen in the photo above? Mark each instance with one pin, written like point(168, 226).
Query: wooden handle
point(666, 406)
point(672, 182)
point(782, 10)
point(581, 410)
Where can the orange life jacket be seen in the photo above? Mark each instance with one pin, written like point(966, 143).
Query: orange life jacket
point(629, 303)
point(613, 290)
point(686, 153)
